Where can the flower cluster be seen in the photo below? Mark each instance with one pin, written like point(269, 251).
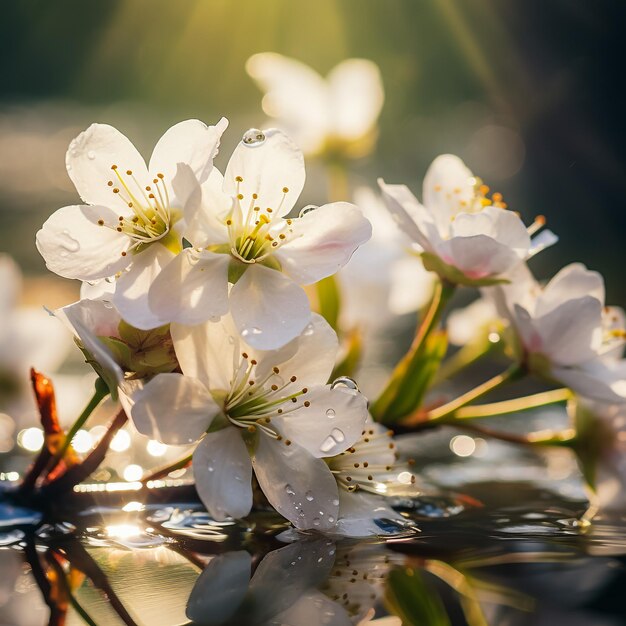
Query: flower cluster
point(194, 311)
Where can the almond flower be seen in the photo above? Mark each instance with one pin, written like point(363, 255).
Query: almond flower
point(466, 237)
point(248, 257)
point(335, 115)
point(131, 221)
point(268, 411)
point(563, 332)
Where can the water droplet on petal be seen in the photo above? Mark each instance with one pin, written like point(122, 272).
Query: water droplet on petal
point(246, 332)
point(308, 331)
point(345, 381)
point(253, 137)
point(316, 521)
point(289, 490)
point(309, 496)
point(210, 468)
point(68, 243)
point(336, 437)
point(91, 155)
point(330, 413)
point(336, 502)
point(307, 209)
point(331, 519)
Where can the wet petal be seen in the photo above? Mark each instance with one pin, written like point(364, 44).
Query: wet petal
point(268, 308)
point(322, 242)
point(223, 472)
point(74, 245)
point(173, 409)
point(132, 287)
point(299, 486)
point(328, 421)
point(267, 168)
point(89, 160)
point(192, 288)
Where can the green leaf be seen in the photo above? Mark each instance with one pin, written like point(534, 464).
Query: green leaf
point(415, 378)
point(409, 597)
point(433, 263)
point(329, 300)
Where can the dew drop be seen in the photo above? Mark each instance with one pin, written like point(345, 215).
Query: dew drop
point(289, 490)
point(336, 502)
point(309, 496)
point(307, 209)
point(68, 243)
point(331, 519)
point(253, 137)
point(309, 330)
point(210, 468)
point(91, 155)
point(336, 437)
point(246, 332)
point(330, 413)
point(345, 381)
point(316, 521)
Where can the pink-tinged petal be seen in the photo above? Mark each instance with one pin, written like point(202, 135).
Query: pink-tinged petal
point(299, 486)
point(173, 409)
point(206, 213)
point(570, 331)
point(410, 216)
point(357, 97)
point(220, 588)
point(132, 287)
point(223, 472)
point(268, 308)
point(266, 168)
point(327, 422)
point(90, 158)
point(448, 188)
point(74, 245)
point(477, 257)
point(191, 142)
point(322, 241)
point(310, 357)
point(573, 281)
point(296, 95)
point(192, 288)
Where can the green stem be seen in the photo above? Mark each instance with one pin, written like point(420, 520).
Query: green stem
point(516, 405)
point(100, 392)
point(462, 358)
point(447, 410)
point(443, 292)
point(166, 469)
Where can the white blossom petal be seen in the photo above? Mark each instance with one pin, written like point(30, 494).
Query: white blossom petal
point(173, 409)
point(192, 288)
point(74, 245)
point(267, 168)
point(323, 241)
point(268, 308)
point(299, 486)
point(357, 97)
point(359, 512)
point(223, 472)
point(89, 160)
point(191, 142)
point(330, 423)
point(132, 287)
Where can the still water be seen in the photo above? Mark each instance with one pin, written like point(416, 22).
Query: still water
point(498, 541)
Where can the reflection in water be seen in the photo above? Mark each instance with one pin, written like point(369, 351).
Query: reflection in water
point(480, 560)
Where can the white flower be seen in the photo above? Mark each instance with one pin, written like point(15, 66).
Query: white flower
point(467, 237)
point(241, 236)
point(366, 472)
point(129, 207)
point(336, 114)
point(383, 275)
point(267, 411)
point(564, 332)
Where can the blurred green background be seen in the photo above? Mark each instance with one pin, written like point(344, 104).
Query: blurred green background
point(526, 91)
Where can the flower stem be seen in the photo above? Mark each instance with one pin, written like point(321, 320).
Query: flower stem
point(447, 411)
point(443, 292)
point(166, 469)
point(100, 392)
point(516, 405)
